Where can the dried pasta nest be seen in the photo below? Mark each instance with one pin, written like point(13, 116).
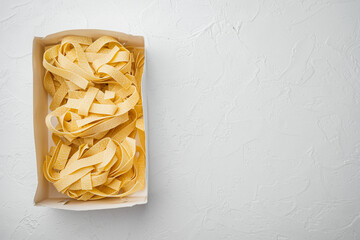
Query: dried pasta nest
point(96, 116)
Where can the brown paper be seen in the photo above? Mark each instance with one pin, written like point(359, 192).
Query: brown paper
point(46, 194)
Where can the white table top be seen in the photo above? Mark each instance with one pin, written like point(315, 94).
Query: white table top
point(254, 119)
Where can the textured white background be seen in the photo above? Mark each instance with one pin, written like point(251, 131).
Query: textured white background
point(254, 110)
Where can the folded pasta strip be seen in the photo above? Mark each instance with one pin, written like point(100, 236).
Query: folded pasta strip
point(96, 115)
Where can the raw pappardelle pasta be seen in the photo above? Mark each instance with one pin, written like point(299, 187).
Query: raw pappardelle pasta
point(96, 116)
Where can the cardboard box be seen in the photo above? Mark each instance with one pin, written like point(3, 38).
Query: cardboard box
point(46, 194)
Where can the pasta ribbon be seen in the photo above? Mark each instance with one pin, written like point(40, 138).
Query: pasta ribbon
point(96, 115)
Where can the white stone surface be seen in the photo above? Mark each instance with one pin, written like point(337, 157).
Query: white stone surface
point(254, 119)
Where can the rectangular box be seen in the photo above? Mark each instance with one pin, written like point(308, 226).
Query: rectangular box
point(46, 194)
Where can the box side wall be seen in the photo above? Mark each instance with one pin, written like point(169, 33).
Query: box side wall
point(146, 121)
point(39, 113)
point(125, 39)
point(108, 203)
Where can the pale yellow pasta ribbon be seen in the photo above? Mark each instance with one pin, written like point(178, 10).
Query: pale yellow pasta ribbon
point(96, 115)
